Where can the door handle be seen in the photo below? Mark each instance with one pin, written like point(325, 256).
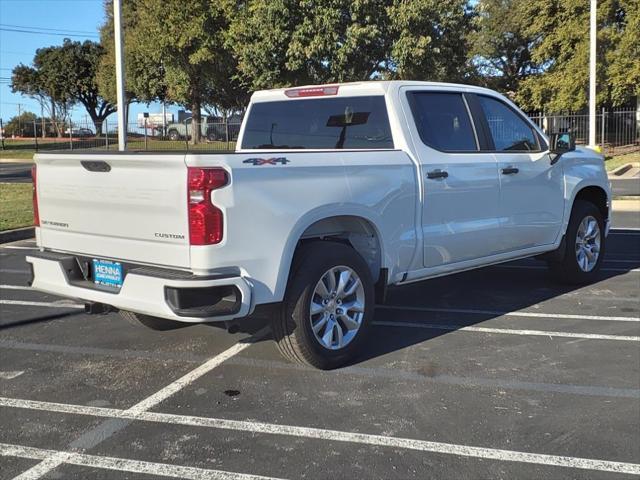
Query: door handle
point(433, 174)
point(510, 171)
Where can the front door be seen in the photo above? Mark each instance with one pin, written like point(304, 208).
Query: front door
point(531, 186)
point(461, 190)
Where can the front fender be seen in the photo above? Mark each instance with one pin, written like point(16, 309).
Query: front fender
point(582, 168)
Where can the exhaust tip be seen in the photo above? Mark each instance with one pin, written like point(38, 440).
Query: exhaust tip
point(94, 308)
point(232, 327)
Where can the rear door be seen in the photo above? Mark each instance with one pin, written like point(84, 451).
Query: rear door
point(531, 186)
point(461, 187)
point(128, 207)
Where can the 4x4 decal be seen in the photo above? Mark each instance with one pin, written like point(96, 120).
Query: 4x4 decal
point(267, 161)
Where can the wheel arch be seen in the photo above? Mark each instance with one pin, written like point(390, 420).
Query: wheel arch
point(594, 194)
point(354, 226)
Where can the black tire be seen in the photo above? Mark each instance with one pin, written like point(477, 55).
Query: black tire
point(153, 323)
point(291, 325)
point(567, 269)
point(174, 136)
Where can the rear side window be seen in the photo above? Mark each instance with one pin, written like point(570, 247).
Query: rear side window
point(509, 131)
point(443, 121)
point(322, 123)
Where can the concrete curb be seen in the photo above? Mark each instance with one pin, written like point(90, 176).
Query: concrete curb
point(15, 160)
point(17, 234)
point(621, 170)
point(626, 205)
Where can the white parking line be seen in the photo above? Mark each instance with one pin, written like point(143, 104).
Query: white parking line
point(540, 267)
point(11, 247)
point(190, 377)
point(60, 304)
point(333, 435)
point(13, 270)
point(510, 314)
point(59, 458)
point(508, 331)
point(10, 375)
point(15, 287)
point(125, 465)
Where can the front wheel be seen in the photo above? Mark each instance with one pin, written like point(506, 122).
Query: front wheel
point(584, 245)
point(328, 306)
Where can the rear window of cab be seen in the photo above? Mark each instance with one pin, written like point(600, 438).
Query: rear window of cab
point(319, 124)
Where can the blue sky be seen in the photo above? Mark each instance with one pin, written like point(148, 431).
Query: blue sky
point(69, 16)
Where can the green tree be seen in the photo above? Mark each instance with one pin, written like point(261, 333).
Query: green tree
point(80, 62)
point(259, 34)
point(340, 40)
point(42, 82)
point(292, 42)
point(430, 39)
point(563, 51)
point(21, 125)
point(65, 75)
point(501, 44)
point(187, 39)
point(144, 76)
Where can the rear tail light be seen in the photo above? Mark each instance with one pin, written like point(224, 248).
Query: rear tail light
point(36, 213)
point(312, 91)
point(205, 220)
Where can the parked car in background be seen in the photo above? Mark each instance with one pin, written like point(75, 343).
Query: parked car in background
point(80, 132)
point(212, 128)
point(335, 193)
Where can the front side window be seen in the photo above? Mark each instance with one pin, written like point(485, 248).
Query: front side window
point(509, 131)
point(443, 121)
point(321, 123)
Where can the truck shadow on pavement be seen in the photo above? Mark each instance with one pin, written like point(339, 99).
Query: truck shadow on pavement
point(470, 298)
point(40, 319)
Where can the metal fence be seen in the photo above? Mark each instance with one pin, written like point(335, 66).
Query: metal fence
point(618, 131)
point(177, 136)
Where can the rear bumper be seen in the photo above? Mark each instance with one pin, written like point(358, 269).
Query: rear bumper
point(163, 293)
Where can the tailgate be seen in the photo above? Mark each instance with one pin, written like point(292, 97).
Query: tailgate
point(115, 206)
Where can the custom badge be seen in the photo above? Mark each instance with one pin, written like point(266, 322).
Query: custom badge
point(256, 162)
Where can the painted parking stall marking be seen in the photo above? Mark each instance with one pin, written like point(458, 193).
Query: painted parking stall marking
point(58, 304)
point(508, 331)
point(335, 435)
point(511, 314)
point(87, 440)
point(118, 464)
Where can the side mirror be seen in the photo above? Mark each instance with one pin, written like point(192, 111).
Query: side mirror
point(562, 143)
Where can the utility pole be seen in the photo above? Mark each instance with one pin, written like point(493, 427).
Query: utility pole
point(592, 72)
point(117, 26)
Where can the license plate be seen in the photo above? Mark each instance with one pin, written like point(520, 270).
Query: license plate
point(106, 272)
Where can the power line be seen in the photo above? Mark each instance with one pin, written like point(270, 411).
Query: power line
point(15, 53)
point(15, 30)
point(33, 27)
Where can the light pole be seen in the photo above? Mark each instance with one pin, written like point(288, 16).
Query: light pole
point(117, 27)
point(592, 72)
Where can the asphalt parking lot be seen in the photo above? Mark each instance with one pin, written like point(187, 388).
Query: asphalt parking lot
point(498, 373)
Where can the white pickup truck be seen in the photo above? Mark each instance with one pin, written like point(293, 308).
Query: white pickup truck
point(334, 193)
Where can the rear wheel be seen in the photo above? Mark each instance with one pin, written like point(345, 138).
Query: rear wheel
point(174, 135)
point(154, 323)
point(584, 245)
point(328, 306)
